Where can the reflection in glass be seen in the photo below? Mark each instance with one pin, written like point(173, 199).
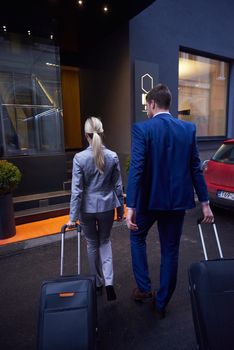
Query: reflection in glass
point(30, 98)
point(203, 93)
point(30, 129)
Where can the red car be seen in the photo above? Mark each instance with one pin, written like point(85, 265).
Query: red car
point(219, 176)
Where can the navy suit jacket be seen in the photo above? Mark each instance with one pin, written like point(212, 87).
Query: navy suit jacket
point(165, 166)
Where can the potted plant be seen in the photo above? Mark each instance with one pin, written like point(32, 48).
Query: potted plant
point(10, 177)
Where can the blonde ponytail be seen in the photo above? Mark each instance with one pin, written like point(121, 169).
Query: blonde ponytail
point(93, 127)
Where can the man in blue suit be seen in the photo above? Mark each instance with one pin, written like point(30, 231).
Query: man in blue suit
point(164, 171)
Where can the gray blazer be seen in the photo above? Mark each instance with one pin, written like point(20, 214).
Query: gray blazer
point(93, 192)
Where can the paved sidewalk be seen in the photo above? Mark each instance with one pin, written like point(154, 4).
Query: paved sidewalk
point(123, 324)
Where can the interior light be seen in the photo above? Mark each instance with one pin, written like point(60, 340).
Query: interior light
point(49, 64)
point(105, 9)
point(29, 32)
point(4, 28)
point(51, 37)
point(80, 2)
point(221, 78)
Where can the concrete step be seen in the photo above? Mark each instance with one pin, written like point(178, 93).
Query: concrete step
point(45, 205)
point(41, 200)
point(67, 185)
point(37, 214)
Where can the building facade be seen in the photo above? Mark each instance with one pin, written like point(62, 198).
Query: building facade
point(191, 45)
point(185, 44)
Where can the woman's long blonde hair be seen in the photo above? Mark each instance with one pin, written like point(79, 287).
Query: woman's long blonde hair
point(94, 130)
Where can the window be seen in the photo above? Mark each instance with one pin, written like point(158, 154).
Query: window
point(225, 153)
point(203, 93)
point(30, 98)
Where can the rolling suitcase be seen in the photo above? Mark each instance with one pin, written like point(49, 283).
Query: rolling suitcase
point(68, 310)
point(211, 286)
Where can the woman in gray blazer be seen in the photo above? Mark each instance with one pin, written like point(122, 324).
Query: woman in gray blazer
point(96, 192)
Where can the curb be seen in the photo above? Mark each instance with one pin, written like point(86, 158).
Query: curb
point(19, 247)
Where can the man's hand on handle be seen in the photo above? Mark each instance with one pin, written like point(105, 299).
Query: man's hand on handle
point(131, 219)
point(208, 216)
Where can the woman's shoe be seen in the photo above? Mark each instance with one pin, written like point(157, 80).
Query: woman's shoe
point(110, 293)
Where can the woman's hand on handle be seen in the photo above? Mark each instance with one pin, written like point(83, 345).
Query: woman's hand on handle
point(71, 224)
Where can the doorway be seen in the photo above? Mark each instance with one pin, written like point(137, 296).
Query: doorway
point(71, 107)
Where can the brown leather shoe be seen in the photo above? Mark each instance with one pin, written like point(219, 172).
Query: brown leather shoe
point(143, 297)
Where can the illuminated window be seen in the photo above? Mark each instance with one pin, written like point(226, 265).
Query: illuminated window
point(203, 93)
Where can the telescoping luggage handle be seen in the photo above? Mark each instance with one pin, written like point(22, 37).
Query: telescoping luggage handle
point(199, 221)
point(63, 231)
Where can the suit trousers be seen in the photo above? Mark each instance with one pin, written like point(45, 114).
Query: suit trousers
point(170, 224)
point(97, 229)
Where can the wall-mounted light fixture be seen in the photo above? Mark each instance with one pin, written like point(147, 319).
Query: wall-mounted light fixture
point(29, 32)
point(4, 28)
point(105, 9)
point(147, 83)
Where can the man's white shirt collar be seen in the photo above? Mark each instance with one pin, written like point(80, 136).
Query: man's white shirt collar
point(161, 113)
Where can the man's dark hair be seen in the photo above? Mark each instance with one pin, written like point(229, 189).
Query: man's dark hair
point(161, 95)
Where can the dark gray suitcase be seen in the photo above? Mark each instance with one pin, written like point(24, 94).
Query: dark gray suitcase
point(68, 309)
point(211, 286)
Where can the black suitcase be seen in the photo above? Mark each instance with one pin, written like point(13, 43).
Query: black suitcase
point(211, 286)
point(68, 309)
